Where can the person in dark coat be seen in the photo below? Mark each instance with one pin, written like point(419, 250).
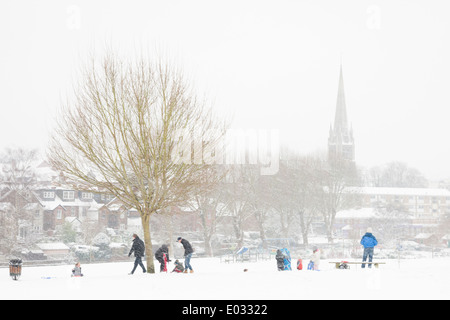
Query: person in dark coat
point(159, 255)
point(368, 241)
point(188, 251)
point(280, 260)
point(138, 248)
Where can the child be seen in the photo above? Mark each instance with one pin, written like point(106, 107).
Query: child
point(299, 264)
point(178, 267)
point(76, 272)
point(316, 258)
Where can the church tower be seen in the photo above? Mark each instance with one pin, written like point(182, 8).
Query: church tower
point(341, 145)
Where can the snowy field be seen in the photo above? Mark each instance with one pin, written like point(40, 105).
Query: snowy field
point(212, 280)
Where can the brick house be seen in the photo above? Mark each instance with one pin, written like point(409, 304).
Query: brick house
point(61, 203)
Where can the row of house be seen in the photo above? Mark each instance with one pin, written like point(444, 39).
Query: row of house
point(50, 205)
point(46, 207)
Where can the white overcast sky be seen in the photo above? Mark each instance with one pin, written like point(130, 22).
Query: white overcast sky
point(271, 64)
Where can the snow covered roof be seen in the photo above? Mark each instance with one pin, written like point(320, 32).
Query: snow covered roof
point(53, 246)
point(115, 207)
point(362, 213)
point(423, 236)
point(72, 219)
point(52, 204)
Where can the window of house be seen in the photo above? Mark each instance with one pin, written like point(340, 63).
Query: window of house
point(59, 214)
point(68, 195)
point(86, 195)
point(49, 195)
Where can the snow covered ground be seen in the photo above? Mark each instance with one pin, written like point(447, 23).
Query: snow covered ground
point(212, 280)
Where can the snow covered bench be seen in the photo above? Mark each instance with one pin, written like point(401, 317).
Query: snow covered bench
point(342, 263)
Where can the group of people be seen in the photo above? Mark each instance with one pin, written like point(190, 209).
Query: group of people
point(368, 241)
point(162, 255)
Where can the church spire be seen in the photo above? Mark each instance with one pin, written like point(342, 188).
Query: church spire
point(340, 119)
point(340, 141)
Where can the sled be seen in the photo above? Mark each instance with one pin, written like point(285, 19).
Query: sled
point(165, 262)
point(341, 264)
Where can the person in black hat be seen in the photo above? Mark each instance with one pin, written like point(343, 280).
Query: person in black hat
point(188, 251)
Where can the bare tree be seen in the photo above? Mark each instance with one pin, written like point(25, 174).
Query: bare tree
point(397, 175)
point(299, 191)
point(237, 199)
point(17, 177)
point(17, 169)
point(338, 177)
point(131, 131)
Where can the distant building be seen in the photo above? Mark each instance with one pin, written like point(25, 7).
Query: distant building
point(341, 144)
point(426, 205)
point(415, 211)
point(54, 250)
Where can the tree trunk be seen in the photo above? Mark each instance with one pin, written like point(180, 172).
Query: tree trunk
point(148, 242)
point(208, 246)
point(304, 228)
point(262, 233)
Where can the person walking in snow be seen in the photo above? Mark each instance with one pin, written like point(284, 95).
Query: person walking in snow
point(368, 241)
point(138, 248)
point(159, 255)
point(188, 251)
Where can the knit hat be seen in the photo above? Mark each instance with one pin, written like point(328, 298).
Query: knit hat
point(179, 238)
point(369, 230)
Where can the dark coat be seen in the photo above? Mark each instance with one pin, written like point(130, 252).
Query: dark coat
point(138, 248)
point(159, 254)
point(187, 247)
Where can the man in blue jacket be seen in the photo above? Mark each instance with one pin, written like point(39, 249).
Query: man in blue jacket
point(369, 242)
